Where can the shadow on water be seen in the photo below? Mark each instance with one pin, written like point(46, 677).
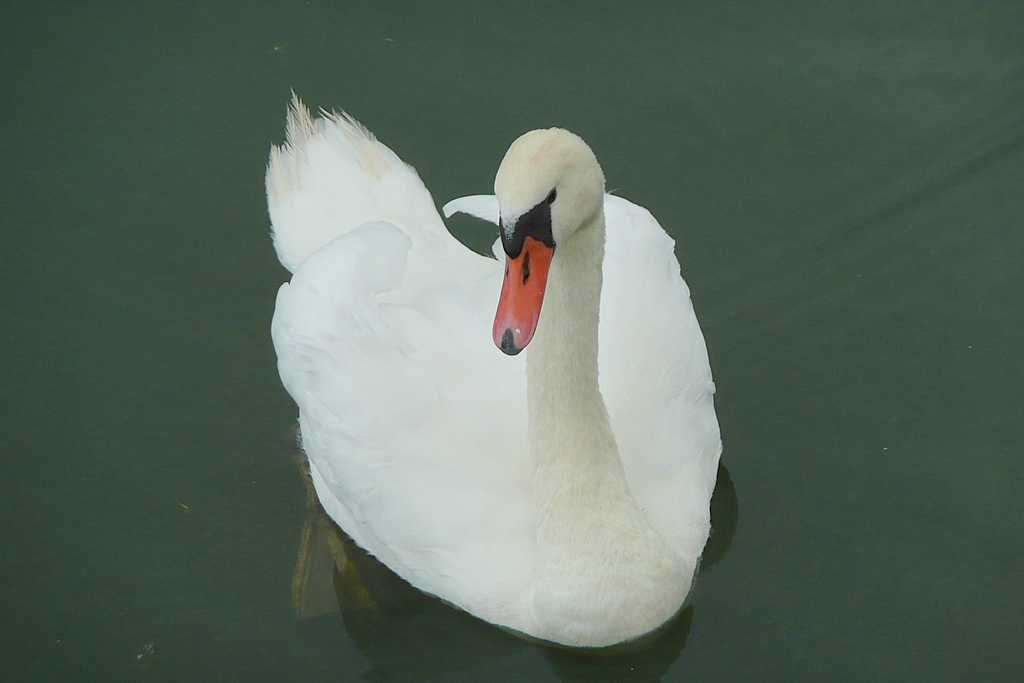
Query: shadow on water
point(725, 513)
point(408, 634)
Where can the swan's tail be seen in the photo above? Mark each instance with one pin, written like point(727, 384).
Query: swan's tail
point(332, 175)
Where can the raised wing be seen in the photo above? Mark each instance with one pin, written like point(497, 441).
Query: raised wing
point(332, 175)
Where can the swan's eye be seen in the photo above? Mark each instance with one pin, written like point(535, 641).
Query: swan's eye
point(551, 197)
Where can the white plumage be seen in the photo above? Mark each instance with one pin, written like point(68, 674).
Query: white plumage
point(416, 426)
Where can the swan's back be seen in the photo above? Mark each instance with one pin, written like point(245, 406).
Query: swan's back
point(382, 337)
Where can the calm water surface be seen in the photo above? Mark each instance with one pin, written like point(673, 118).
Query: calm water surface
point(845, 183)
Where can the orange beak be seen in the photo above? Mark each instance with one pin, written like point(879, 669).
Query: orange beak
point(522, 293)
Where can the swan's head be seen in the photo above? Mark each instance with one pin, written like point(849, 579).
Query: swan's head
point(549, 186)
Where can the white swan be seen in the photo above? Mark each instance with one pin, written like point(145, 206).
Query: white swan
point(505, 485)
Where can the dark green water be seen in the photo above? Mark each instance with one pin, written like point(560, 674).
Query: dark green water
point(845, 182)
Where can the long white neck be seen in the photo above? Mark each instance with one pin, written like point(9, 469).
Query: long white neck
point(603, 572)
point(561, 363)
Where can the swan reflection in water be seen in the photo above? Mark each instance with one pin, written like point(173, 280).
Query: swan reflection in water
point(401, 629)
